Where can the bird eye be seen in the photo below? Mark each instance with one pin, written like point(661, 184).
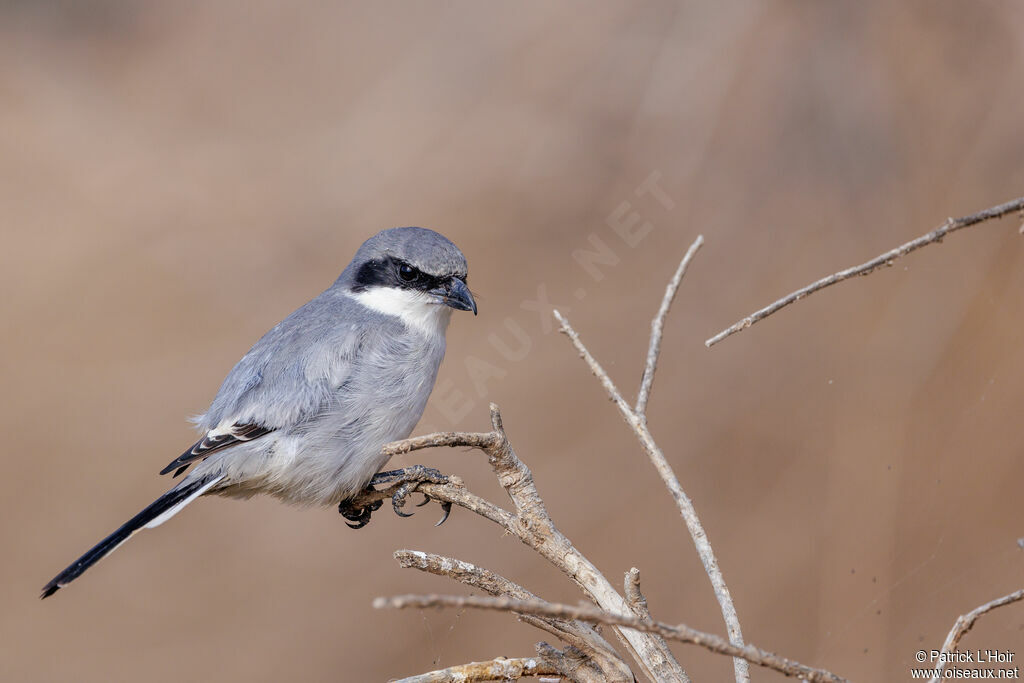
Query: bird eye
point(407, 272)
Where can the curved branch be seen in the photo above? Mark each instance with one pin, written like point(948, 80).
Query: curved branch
point(578, 634)
point(680, 632)
point(965, 623)
point(658, 326)
point(886, 259)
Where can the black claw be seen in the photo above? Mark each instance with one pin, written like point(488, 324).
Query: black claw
point(361, 516)
point(446, 507)
point(426, 499)
point(397, 505)
point(398, 500)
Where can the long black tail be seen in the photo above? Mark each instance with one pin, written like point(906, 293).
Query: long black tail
point(156, 513)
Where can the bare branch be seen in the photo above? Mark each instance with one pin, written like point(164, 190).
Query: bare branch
point(658, 326)
point(965, 623)
point(499, 669)
point(680, 632)
point(531, 522)
point(886, 259)
point(638, 605)
point(587, 657)
point(578, 634)
point(683, 502)
point(595, 367)
point(451, 439)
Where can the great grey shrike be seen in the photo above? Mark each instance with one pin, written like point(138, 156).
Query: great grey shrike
point(305, 413)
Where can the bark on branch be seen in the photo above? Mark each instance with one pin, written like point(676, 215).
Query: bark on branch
point(499, 669)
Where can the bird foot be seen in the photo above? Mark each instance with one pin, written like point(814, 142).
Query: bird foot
point(409, 478)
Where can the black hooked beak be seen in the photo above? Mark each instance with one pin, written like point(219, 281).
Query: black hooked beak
point(457, 295)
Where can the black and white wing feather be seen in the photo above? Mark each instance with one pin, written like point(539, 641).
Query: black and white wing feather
point(213, 442)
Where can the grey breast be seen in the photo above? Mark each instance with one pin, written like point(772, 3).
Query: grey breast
point(380, 400)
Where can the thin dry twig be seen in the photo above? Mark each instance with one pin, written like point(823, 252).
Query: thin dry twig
point(680, 632)
point(683, 502)
point(638, 605)
point(498, 669)
point(658, 326)
point(965, 622)
point(886, 259)
point(580, 635)
point(531, 523)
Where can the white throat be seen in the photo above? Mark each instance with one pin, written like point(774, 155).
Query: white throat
point(419, 311)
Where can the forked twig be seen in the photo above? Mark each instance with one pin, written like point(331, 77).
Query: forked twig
point(580, 635)
point(638, 422)
point(587, 657)
point(530, 522)
point(965, 623)
point(886, 259)
point(680, 632)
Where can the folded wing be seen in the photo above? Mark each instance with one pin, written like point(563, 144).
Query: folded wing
point(214, 441)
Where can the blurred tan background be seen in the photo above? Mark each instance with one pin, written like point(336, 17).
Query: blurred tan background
point(175, 179)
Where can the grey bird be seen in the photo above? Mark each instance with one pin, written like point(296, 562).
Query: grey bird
point(304, 415)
